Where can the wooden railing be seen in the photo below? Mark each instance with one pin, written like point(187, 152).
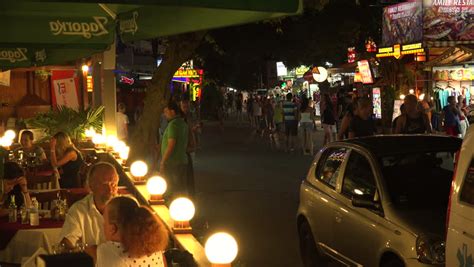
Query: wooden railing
point(184, 241)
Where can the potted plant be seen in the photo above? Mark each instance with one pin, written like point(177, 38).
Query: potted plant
point(68, 120)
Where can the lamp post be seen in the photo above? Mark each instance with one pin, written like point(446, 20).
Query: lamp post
point(10, 134)
point(139, 169)
point(182, 211)
point(156, 186)
point(221, 249)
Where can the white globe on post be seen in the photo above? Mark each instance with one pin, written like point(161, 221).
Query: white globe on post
point(119, 146)
point(221, 249)
point(402, 96)
point(123, 153)
point(6, 142)
point(111, 141)
point(421, 97)
point(411, 91)
point(182, 211)
point(139, 169)
point(156, 186)
point(85, 68)
point(98, 140)
point(90, 133)
point(10, 134)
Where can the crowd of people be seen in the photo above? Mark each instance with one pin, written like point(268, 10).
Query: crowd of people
point(290, 119)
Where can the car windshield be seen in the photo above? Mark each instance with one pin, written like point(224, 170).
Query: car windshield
point(419, 180)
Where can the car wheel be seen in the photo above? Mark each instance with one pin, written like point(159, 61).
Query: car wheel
point(309, 253)
point(394, 262)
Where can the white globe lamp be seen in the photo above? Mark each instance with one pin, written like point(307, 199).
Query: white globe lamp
point(139, 169)
point(156, 187)
point(221, 249)
point(10, 134)
point(182, 211)
point(98, 140)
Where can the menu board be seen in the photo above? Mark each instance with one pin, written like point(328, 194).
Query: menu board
point(365, 73)
point(402, 23)
point(448, 20)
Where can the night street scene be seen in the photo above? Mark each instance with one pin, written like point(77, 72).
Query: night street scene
point(237, 133)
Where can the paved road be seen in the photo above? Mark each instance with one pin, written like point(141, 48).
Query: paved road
point(247, 189)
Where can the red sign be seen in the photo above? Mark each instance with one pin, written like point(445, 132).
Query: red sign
point(364, 70)
point(126, 80)
point(351, 54)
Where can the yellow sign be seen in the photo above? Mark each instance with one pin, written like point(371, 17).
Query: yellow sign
point(397, 51)
point(187, 73)
point(89, 83)
point(411, 46)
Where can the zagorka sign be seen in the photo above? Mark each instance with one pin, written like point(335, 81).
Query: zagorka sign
point(129, 25)
point(90, 29)
point(14, 54)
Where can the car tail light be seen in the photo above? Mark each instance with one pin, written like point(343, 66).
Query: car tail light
point(448, 211)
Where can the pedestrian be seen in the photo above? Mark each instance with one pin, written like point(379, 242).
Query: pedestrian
point(351, 110)
point(463, 111)
point(306, 118)
point(122, 122)
point(328, 118)
point(238, 106)
point(415, 121)
point(278, 120)
point(257, 114)
point(290, 114)
point(174, 143)
point(402, 112)
point(362, 124)
point(191, 147)
point(451, 114)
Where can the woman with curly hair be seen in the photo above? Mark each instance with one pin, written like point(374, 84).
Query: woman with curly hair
point(135, 236)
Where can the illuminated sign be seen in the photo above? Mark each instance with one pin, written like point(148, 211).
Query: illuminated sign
point(188, 73)
point(89, 83)
point(453, 73)
point(364, 70)
point(397, 51)
point(126, 80)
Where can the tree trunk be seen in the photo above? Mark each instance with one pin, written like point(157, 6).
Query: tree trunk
point(144, 137)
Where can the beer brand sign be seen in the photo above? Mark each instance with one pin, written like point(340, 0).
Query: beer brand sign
point(94, 28)
point(129, 25)
point(14, 54)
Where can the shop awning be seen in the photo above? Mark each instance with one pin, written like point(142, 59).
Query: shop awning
point(87, 25)
point(452, 55)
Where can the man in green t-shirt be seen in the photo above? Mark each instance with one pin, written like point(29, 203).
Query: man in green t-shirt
point(173, 150)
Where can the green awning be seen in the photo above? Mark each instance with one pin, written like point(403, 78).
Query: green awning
point(77, 27)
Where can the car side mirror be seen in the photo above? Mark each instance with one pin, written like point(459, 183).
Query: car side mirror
point(365, 202)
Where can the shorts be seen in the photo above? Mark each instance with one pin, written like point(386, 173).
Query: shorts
point(307, 125)
point(329, 128)
point(291, 127)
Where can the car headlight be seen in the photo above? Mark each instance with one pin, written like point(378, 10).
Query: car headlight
point(430, 249)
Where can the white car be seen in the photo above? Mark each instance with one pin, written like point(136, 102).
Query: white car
point(460, 217)
point(378, 202)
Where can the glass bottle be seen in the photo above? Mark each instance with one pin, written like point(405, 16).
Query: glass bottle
point(12, 210)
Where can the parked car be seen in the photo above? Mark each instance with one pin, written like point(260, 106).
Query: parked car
point(377, 201)
point(460, 217)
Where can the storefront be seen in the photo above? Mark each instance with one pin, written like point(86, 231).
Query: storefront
point(188, 81)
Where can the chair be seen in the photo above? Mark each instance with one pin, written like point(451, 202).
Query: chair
point(41, 182)
point(46, 198)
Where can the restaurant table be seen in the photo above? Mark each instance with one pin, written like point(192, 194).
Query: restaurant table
point(18, 241)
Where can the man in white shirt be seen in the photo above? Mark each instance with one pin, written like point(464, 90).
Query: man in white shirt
point(84, 221)
point(122, 122)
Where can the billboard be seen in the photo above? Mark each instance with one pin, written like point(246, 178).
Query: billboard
point(403, 23)
point(364, 70)
point(448, 20)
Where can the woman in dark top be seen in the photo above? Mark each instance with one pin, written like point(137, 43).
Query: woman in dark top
point(414, 121)
point(65, 155)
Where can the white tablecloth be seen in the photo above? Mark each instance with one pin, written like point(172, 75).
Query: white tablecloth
point(26, 242)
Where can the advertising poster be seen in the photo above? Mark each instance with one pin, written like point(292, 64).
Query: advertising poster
point(64, 86)
point(5, 78)
point(403, 23)
point(377, 102)
point(365, 73)
point(448, 20)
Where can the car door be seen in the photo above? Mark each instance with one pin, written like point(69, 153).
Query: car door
point(322, 196)
point(460, 237)
point(356, 229)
